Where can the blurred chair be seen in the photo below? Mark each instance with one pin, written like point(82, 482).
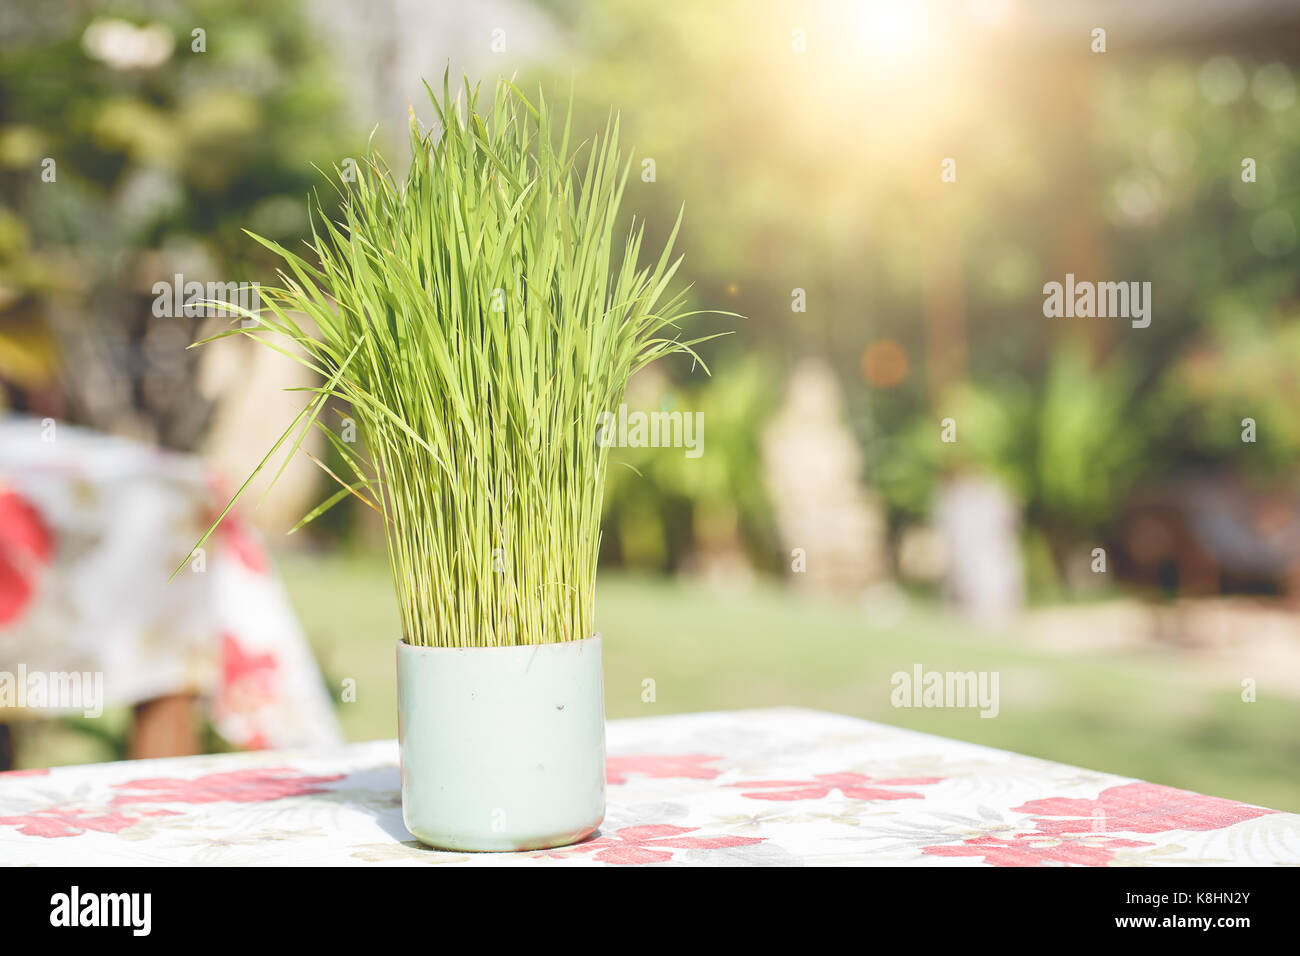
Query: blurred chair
point(91, 529)
point(1213, 534)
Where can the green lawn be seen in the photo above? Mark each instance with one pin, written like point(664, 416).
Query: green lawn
point(1147, 714)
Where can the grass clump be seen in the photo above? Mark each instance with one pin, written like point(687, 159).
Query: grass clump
point(478, 315)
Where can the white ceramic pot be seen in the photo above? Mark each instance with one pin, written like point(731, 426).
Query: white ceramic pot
point(503, 748)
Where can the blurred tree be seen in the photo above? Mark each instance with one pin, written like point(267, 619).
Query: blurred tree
point(665, 509)
point(137, 138)
point(811, 146)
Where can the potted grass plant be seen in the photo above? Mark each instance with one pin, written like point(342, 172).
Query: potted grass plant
point(477, 315)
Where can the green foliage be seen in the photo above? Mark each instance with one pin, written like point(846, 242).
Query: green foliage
point(162, 154)
point(478, 320)
point(1089, 443)
point(222, 135)
point(662, 505)
point(995, 431)
point(821, 170)
point(1235, 375)
point(1068, 452)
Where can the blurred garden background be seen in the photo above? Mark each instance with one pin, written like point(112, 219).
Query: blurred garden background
point(882, 190)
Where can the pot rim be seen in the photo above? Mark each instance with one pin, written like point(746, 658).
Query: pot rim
point(405, 648)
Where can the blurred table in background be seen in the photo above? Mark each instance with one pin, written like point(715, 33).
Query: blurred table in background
point(761, 788)
point(91, 529)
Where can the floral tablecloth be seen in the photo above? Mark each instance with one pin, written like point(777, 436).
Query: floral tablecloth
point(91, 528)
point(766, 787)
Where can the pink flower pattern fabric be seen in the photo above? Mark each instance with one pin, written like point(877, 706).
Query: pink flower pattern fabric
point(762, 788)
point(91, 529)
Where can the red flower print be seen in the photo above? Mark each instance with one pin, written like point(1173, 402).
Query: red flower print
point(1036, 849)
point(238, 666)
point(56, 822)
point(655, 844)
point(854, 786)
point(242, 786)
point(258, 785)
point(1139, 808)
point(660, 767)
point(243, 542)
point(25, 546)
point(40, 772)
point(247, 679)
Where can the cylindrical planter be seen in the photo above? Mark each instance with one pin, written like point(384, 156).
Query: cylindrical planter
point(503, 748)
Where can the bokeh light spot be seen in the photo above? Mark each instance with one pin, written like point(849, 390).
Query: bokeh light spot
point(884, 364)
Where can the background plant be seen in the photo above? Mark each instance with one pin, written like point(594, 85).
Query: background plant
point(162, 154)
point(663, 509)
point(844, 200)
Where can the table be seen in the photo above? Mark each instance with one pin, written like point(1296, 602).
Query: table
point(760, 788)
point(91, 528)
